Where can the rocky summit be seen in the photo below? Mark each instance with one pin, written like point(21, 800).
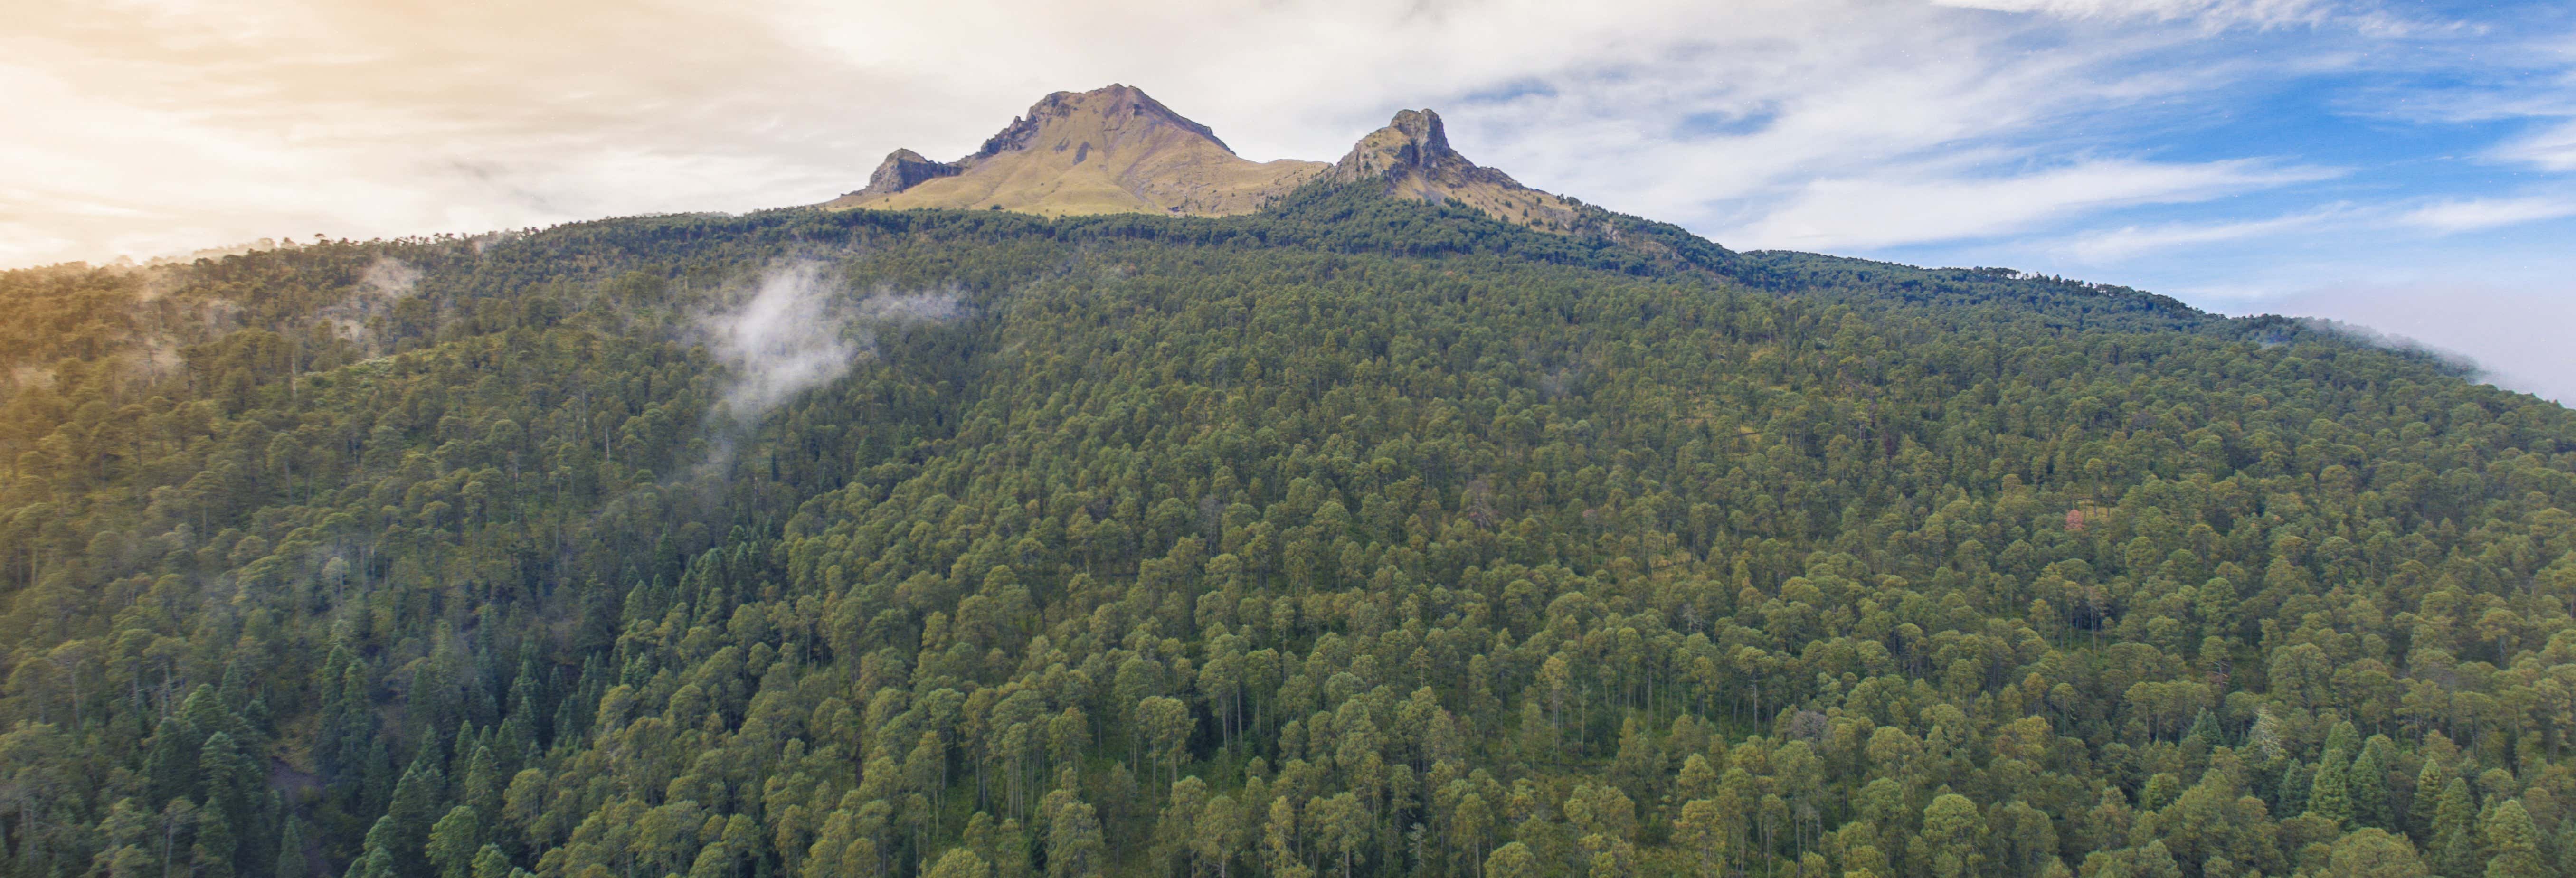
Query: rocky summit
point(1111, 150)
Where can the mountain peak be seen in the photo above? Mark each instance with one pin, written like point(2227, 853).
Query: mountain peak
point(1412, 156)
point(1415, 140)
point(1109, 150)
point(1112, 103)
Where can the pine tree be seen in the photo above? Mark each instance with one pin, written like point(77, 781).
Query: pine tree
point(490, 862)
point(2429, 784)
point(373, 862)
point(2566, 847)
point(171, 768)
point(291, 849)
point(2512, 844)
point(1074, 845)
point(716, 861)
point(480, 787)
point(329, 751)
point(412, 811)
point(2366, 785)
point(1702, 836)
point(1512, 860)
point(453, 842)
point(2330, 795)
point(961, 863)
point(2265, 738)
point(2374, 853)
point(235, 789)
point(2297, 783)
point(2204, 729)
point(213, 855)
point(2157, 861)
point(1952, 844)
point(2455, 842)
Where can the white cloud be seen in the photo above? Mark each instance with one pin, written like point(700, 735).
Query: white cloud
point(1887, 211)
point(2487, 213)
point(2219, 13)
point(2114, 245)
point(2552, 148)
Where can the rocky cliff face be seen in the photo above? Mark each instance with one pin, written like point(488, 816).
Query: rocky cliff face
point(1412, 158)
point(1117, 150)
point(904, 169)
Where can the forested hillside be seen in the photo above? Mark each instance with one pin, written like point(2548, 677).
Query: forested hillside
point(1355, 537)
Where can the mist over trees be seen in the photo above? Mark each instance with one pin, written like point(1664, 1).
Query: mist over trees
point(1356, 537)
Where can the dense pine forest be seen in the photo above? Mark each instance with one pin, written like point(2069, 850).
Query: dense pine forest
point(1354, 537)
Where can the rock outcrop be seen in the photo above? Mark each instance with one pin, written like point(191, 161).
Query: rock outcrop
point(901, 170)
point(1412, 158)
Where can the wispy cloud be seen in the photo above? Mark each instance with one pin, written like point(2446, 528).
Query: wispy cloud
point(2551, 148)
point(2125, 242)
point(2486, 213)
point(2216, 13)
point(1886, 211)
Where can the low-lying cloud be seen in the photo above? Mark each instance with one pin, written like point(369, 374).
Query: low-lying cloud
point(802, 329)
point(390, 276)
point(2516, 337)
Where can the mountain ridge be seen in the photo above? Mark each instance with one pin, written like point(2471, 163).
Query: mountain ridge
point(1153, 160)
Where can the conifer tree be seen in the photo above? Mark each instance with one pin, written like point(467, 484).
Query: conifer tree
point(961, 863)
point(2429, 784)
point(2366, 784)
point(2296, 785)
point(2374, 853)
point(1952, 843)
point(453, 842)
point(490, 862)
point(1700, 834)
point(2512, 844)
point(411, 813)
point(1074, 846)
point(172, 766)
point(2330, 795)
point(2455, 834)
point(213, 855)
point(1512, 860)
point(2157, 861)
point(292, 840)
point(235, 790)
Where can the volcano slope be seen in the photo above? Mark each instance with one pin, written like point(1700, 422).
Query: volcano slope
point(1358, 535)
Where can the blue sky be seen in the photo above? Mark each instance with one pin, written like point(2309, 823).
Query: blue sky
point(2411, 166)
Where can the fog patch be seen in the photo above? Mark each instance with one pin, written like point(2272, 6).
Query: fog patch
point(385, 281)
point(2453, 360)
point(391, 277)
point(2515, 336)
point(800, 329)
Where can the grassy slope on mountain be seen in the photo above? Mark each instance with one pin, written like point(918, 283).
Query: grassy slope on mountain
point(1262, 541)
